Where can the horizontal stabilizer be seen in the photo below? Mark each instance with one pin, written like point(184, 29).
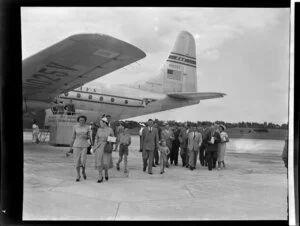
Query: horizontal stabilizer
point(196, 96)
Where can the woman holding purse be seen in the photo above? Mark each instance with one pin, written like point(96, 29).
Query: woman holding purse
point(222, 146)
point(103, 149)
point(80, 143)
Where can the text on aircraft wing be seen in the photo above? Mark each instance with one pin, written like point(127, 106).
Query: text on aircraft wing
point(73, 62)
point(196, 96)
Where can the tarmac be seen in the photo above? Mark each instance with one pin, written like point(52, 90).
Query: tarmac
point(251, 187)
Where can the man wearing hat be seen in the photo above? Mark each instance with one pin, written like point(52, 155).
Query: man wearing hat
point(148, 144)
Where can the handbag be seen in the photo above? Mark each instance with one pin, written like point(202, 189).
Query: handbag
point(108, 147)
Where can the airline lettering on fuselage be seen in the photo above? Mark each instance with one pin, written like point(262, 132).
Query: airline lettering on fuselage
point(87, 89)
point(47, 75)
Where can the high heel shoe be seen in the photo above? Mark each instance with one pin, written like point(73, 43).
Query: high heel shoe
point(106, 178)
point(100, 181)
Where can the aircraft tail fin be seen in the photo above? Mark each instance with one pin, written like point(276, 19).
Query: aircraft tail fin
point(178, 73)
point(179, 70)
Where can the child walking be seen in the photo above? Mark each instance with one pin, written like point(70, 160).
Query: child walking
point(164, 151)
point(124, 139)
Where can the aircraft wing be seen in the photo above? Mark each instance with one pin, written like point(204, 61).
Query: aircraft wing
point(73, 62)
point(196, 96)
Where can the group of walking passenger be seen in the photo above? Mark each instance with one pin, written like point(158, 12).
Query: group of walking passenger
point(159, 145)
point(187, 140)
point(102, 141)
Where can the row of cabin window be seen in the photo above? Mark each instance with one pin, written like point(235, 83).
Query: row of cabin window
point(91, 97)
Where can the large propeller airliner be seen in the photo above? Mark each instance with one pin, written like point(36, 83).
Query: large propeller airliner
point(60, 72)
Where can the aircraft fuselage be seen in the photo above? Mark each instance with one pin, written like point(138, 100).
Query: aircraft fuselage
point(119, 101)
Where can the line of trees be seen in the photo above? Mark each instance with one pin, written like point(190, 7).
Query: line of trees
point(270, 125)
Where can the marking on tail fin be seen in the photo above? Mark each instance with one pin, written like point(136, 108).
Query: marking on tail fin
point(183, 55)
point(178, 62)
point(182, 60)
point(173, 74)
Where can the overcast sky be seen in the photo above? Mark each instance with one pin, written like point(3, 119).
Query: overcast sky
point(241, 52)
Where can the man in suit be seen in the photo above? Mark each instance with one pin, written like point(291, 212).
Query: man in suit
point(194, 142)
point(212, 141)
point(175, 145)
point(149, 142)
point(183, 144)
point(202, 146)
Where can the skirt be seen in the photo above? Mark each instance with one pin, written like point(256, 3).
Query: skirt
point(103, 160)
point(221, 152)
point(79, 155)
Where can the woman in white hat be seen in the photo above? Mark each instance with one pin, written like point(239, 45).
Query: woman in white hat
point(103, 149)
point(222, 146)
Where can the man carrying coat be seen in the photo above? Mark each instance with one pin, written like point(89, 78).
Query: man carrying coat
point(149, 142)
point(194, 142)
